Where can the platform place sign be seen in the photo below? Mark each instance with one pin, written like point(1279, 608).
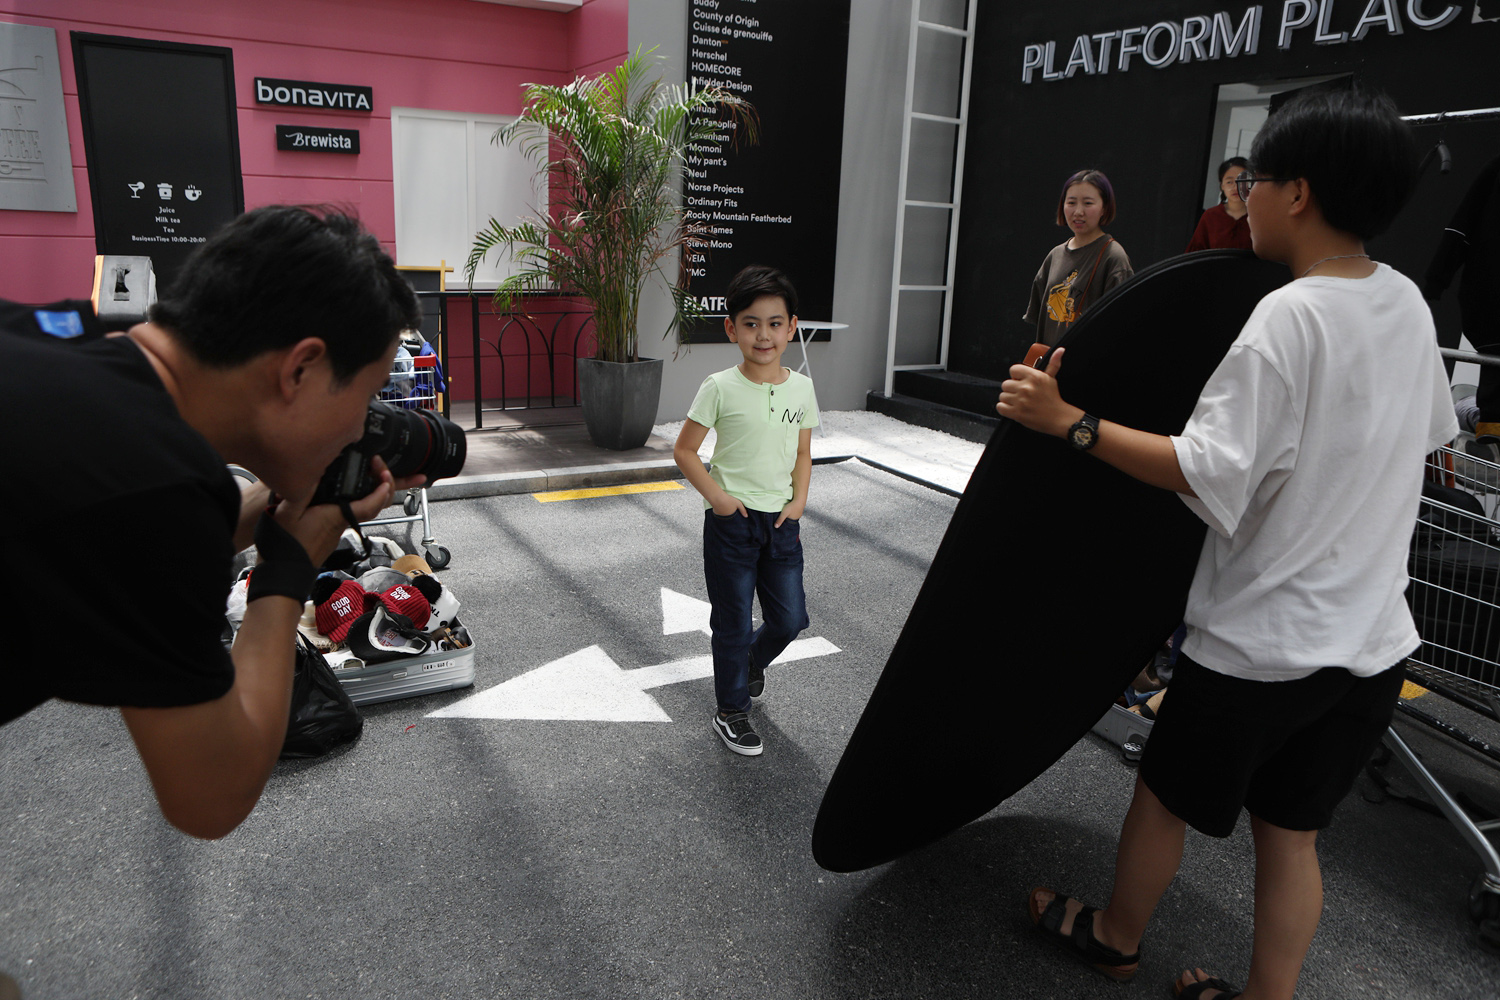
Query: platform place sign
point(1209, 37)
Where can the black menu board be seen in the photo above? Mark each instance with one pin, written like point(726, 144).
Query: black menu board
point(776, 202)
point(162, 143)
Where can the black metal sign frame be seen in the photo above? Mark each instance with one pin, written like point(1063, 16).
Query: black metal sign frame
point(776, 202)
point(161, 140)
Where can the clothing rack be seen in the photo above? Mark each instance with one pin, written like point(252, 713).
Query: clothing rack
point(1443, 117)
point(1452, 354)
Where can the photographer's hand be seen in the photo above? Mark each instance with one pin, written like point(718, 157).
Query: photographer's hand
point(318, 528)
point(369, 506)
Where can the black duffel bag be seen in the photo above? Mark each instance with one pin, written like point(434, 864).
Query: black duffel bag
point(322, 715)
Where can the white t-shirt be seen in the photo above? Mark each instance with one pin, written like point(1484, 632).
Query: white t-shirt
point(1305, 451)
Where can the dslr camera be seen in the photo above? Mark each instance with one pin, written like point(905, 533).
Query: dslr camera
point(412, 442)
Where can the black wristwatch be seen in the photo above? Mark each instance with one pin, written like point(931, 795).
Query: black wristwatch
point(1085, 433)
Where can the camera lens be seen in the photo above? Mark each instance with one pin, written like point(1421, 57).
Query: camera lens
point(412, 442)
point(415, 442)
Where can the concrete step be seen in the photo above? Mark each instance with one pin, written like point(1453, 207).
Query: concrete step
point(953, 389)
point(936, 416)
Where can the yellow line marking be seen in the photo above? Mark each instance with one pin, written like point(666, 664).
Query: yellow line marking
point(1410, 690)
point(606, 491)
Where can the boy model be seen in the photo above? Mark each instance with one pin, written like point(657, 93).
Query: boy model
point(1304, 455)
point(764, 415)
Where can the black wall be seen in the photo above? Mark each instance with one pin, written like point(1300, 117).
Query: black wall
point(1149, 131)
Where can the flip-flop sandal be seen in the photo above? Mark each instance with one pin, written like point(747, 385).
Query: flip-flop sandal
point(1195, 990)
point(1080, 941)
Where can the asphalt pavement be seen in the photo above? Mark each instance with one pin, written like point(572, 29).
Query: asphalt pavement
point(543, 848)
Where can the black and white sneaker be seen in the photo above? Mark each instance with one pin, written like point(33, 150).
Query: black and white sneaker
point(734, 729)
point(757, 679)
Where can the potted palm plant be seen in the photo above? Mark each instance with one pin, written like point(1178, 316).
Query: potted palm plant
point(611, 150)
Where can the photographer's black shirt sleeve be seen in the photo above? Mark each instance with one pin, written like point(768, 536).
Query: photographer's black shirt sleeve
point(133, 527)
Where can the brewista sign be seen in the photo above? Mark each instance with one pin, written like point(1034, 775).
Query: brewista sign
point(302, 94)
point(302, 139)
point(1222, 35)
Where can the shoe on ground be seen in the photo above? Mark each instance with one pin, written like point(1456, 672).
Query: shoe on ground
point(757, 679)
point(738, 735)
point(1079, 940)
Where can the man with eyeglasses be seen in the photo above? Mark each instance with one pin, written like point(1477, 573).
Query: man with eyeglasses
point(1304, 455)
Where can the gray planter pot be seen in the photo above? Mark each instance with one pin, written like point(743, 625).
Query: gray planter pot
point(619, 400)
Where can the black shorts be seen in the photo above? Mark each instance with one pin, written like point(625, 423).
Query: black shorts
point(1288, 751)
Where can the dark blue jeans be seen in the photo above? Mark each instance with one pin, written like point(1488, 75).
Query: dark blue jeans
point(742, 557)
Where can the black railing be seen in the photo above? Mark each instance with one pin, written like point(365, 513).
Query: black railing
point(551, 330)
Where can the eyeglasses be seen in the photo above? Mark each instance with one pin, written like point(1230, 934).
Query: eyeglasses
point(1245, 181)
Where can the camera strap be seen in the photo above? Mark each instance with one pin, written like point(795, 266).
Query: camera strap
point(353, 522)
point(343, 558)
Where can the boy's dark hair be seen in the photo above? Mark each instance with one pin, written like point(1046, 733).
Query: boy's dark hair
point(753, 282)
point(1101, 183)
point(279, 274)
point(1352, 148)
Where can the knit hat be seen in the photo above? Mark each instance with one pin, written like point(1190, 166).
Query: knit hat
point(444, 605)
point(405, 599)
point(340, 609)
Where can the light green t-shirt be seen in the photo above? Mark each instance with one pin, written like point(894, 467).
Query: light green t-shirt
point(758, 425)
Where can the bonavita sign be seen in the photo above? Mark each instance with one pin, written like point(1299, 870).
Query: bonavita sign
point(303, 94)
point(1222, 35)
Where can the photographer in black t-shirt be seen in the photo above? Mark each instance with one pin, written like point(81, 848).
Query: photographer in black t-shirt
point(264, 353)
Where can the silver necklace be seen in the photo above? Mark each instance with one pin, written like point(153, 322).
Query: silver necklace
point(1337, 256)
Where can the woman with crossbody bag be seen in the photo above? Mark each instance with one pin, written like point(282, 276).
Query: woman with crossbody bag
point(1089, 263)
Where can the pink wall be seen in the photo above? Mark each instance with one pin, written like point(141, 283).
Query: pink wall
point(452, 55)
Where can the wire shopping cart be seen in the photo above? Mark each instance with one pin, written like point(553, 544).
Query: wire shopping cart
point(1454, 596)
point(414, 385)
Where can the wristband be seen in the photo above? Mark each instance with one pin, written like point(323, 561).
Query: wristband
point(284, 569)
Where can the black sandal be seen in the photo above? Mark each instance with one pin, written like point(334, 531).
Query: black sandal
point(1081, 941)
point(1195, 990)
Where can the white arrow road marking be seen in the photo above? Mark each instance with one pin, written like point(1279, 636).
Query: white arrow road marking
point(589, 686)
point(681, 613)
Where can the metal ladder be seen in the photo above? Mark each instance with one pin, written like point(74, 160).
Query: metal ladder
point(920, 27)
